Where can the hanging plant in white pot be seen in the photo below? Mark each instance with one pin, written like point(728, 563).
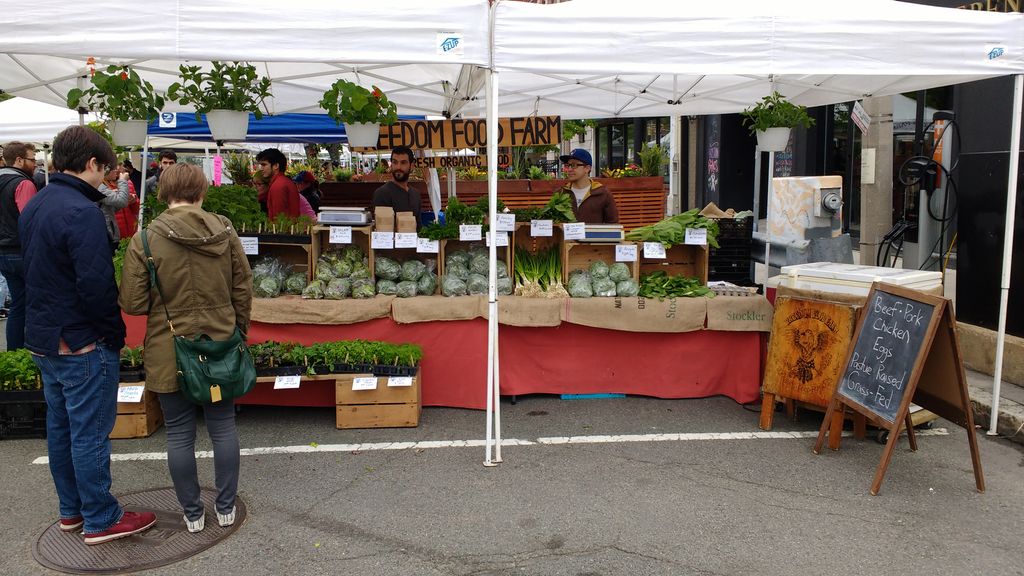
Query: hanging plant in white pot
point(123, 99)
point(772, 119)
point(362, 111)
point(225, 95)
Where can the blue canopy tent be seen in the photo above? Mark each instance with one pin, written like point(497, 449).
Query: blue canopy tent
point(290, 128)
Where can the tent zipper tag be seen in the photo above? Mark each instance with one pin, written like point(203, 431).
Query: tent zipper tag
point(215, 394)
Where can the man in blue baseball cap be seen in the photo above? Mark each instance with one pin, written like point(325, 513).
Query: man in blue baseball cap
point(591, 202)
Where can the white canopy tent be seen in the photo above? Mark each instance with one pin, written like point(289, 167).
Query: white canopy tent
point(31, 121)
point(578, 59)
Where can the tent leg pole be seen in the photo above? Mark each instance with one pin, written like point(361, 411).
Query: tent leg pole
point(768, 217)
point(493, 387)
point(1004, 285)
point(142, 185)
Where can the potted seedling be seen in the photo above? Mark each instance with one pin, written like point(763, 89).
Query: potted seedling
point(123, 99)
point(772, 119)
point(362, 111)
point(225, 94)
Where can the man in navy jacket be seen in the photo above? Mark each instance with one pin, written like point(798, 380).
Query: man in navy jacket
point(73, 328)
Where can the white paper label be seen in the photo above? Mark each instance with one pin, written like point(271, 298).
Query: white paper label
point(470, 232)
point(506, 223)
point(397, 381)
point(654, 250)
point(382, 240)
point(698, 236)
point(625, 252)
point(250, 245)
point(502, 239)
point(540, 228)
point(283, 382)
point(427, 246)
point(574, 230)
point(340, 235)
point(130, 393)
point(406, 240)
point(364, 383)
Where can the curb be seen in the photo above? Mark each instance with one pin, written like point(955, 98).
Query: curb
point(1011, 413)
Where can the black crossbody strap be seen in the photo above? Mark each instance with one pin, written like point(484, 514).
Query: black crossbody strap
point(153, 280)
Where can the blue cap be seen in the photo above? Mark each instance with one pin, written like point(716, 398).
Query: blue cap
point(578, 154)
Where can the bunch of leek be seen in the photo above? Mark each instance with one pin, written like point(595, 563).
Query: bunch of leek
point(539, 275)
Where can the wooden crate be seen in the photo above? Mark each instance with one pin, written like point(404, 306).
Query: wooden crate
point(404, 254)
point(504, 252)
point(580, 255)
point(137, 419)
point(383, 407)
point(298, 256)
point(321, 243)
point(680, 260)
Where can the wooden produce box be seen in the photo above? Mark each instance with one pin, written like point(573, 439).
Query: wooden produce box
point(322, 243)
point(580, 255)
point(137, 419)
point(401, 255)
point(504, 252)
point(384, 407)
point(680, 260)
point(298, 255)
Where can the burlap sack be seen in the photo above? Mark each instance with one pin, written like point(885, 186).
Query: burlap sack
point(740, 314)
point(528, 312)
point(433, 308)
point(637, 314)
point(296, 310)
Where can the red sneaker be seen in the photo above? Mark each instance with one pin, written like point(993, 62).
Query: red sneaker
point(71, 524)
point(131, 523)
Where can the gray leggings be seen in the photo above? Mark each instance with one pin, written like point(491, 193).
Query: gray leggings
point(180, 416)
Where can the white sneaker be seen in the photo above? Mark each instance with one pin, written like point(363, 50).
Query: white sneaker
point(226, 520)
point(195, 525)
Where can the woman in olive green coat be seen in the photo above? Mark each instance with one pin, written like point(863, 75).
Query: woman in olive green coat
point(206, 278)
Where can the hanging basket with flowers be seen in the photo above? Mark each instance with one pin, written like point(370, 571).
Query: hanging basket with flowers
point(226, 95)
point(362, 111)
point(123, 99)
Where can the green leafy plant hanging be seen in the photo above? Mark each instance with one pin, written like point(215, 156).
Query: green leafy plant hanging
point(118, 93)
point(349, 103)
point(775, 111)
point(227, 86)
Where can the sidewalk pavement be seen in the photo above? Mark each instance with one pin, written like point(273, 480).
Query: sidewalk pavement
point(1011, 406)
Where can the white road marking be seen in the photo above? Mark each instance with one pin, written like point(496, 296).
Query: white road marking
point(553, 440)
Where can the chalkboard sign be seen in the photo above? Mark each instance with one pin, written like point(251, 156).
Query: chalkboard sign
point(887, 347)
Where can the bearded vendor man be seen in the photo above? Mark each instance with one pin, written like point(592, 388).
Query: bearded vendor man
point(591, 202)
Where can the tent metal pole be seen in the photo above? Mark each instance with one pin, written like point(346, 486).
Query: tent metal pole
point(493, 395)
point(1004, 285)
point(142, 186)
point(768, 215)
point(674, 183)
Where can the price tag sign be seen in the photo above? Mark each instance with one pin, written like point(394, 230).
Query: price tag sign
point(427, 246)
point(382, 240)
point(502, 239)
point(470, 232)
point(284, 382)
point(574, 230)
point(540, 228)
point(399, 381)
point(130, 393)
point(625, 252)
point(506, 223)
point(364, 383)
point(654, 250)
point(406, 240)
point(250, 245)
point(696, 236)
point(340, 235)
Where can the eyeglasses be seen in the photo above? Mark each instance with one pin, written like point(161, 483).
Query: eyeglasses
point(574, 166)
point(27, 159)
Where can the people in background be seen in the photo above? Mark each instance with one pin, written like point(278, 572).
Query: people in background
point(309, 188)
point(282, 197)
point(203, 271)
point(134, 174)
point(16, 189)
point(591, 202)
point(397, 193)
point(118, 194)
point(73, 328)
point(166, 159)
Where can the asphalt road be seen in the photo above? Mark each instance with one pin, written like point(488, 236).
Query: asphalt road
point(694, 503)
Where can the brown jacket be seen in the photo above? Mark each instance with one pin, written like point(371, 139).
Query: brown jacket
point(205, 276)
point(598, 206)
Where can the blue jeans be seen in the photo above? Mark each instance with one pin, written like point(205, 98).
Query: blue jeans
point(14, 272)
point(81, 405)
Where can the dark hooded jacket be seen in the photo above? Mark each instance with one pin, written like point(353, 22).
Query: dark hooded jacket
point(205, 276)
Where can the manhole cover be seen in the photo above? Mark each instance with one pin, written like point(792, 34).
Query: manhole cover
point(165, 543)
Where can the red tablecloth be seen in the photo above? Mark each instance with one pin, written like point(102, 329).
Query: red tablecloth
point(568, 359)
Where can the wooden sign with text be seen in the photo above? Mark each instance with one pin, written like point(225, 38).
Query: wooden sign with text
point(905, 350)
point(443, 162)
point(461, 133)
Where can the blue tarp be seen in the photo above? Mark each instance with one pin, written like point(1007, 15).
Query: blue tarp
point(297, 128)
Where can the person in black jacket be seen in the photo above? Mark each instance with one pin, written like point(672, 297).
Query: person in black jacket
point(16, 189)
point(74, 328)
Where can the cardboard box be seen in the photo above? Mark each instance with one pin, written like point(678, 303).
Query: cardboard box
point(137, 419)
point(406, 222)
point(384, 219)
point(383, 407)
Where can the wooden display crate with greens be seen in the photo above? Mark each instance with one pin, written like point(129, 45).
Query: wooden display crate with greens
point(681, 259)
point(136, 419)
point(22, 404)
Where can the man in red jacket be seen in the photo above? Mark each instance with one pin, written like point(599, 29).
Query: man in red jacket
point(282, 195)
